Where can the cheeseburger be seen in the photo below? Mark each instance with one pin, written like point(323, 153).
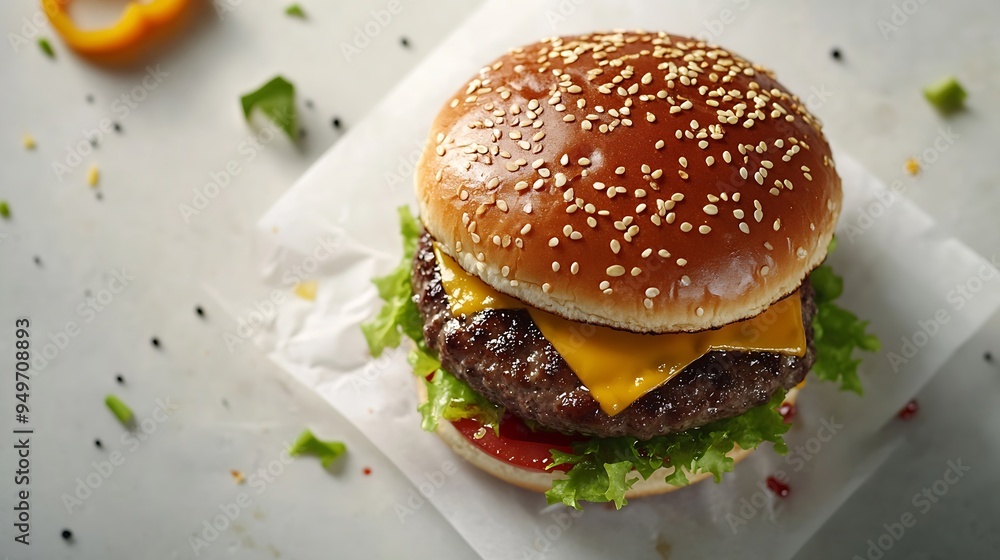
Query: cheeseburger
point(615, 285)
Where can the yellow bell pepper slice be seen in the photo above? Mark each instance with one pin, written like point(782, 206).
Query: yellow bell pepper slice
point(136, 23)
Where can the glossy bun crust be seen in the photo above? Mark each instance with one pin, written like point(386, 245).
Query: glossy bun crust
point(643, 181)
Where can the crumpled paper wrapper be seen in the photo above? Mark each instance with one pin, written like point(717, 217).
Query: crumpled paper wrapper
point(337, 226)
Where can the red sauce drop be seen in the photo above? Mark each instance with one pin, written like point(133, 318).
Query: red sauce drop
point(778, 487)
point(787, 411)
point(367, 471)
point(909, 410)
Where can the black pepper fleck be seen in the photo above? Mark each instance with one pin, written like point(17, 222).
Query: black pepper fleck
point(199, 311)
point(90, 98)
point(98, 195)
point(988, 357)
point(302, 133)
point(118, 127)
point(835, 53)
point(120, 379)
point(156, 342)
point(336, 122)
point(309, 104)
point(98, 444)
point(67, 534)
point(405, 42)
point(38, 261)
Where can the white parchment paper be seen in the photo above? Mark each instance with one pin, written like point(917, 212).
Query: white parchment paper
point(337, 225)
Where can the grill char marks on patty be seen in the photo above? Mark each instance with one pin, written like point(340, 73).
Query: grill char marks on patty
point(503, 356)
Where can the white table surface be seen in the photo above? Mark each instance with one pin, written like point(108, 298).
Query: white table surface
point(236, 410)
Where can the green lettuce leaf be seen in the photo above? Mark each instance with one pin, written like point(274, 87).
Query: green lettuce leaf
point(837, 332)
point(309, 444)
point(399, 314)
point(451, 399)
point(422, 360)
point(295, 10)
point(602, 468)
point(276, 99)
point(121, 410)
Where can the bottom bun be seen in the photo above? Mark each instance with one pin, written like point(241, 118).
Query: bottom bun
point(539, 481)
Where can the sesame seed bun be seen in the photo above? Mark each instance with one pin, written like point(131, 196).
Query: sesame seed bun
point(538, 481)
point(642, 181)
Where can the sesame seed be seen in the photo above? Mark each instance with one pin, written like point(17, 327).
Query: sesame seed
point(663, 253)
point(555, 266)
point(709, 161)
point(703, 229)
point(700, 311)
point(777, 224)
point(583, 161)
point(686, 227)
point(615, 246)
point(620, 171)
point(615, 270)
point(648, 303)
point(681, 262)
point(764, 270)
point(560, 179)
point(652, 292)
point(659, 144)
point(553, 241)
point(711, 209)
point(685, 280)
point(744, 227)
point(546, 287)
point(604, 285)
point(574, 268)
point(525, 229)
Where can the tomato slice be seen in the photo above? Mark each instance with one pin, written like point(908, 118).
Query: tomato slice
point(517, 444)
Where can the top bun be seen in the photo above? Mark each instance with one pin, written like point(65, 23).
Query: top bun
point(642, 181)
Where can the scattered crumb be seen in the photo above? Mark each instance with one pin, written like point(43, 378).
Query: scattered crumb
point(238, 477)
point(306, 290)
point(912, 166)
point(28, 141)
point(93, 175)
point(663, 548)
point(274, 229)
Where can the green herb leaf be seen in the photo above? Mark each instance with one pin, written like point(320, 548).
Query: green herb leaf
point(121, 410)
point(276, 99)
point(46, 47)
point(295, 10)
point(399, 314)
point(605, 468)
point(946, 94)
point(327, 451)
point(4, 210)
point(837, 332)
point(451, 399)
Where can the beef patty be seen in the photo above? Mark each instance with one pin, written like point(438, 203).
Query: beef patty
point(502, 355)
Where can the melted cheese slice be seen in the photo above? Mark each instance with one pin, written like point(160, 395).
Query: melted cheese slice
point(618, 367)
